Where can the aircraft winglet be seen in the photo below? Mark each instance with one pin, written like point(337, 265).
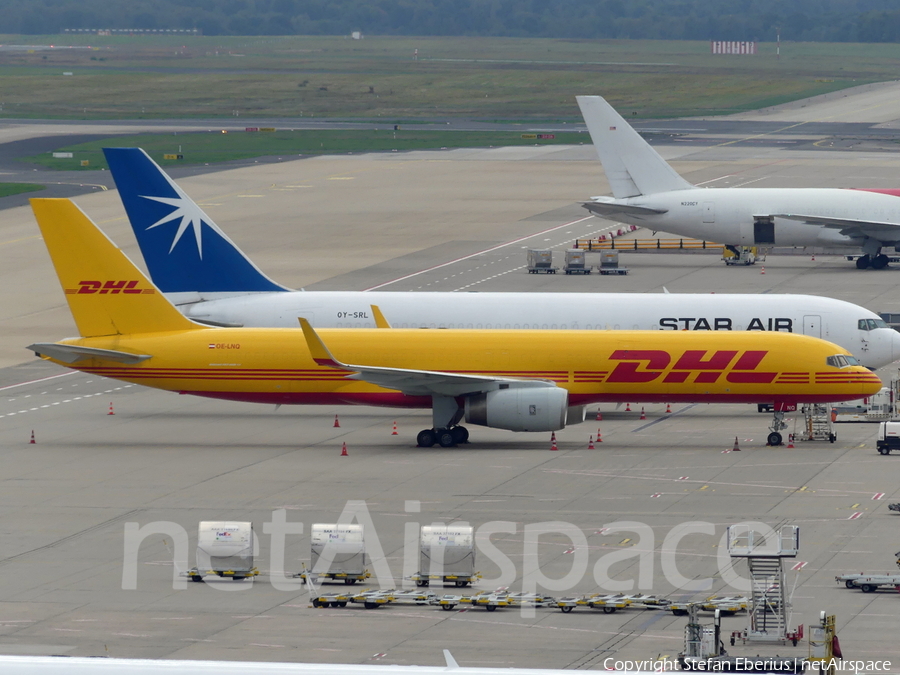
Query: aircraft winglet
point(380, 321)
point(451, 662)
point(317, 348)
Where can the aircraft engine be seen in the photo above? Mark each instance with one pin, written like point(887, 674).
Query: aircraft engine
point(520, 409)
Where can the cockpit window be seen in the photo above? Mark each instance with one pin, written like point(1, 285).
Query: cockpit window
point(879, 323)
point(871, 324)
point(841, 361)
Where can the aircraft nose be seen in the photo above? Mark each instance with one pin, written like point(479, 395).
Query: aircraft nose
point(895, 344)
point(883, 348)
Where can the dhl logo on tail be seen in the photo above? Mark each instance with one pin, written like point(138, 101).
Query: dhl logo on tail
point(110, 287)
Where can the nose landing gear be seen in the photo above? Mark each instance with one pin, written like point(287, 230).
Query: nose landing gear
point(775, 429)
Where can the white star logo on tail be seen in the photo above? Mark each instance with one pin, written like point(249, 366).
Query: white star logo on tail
point(190, 214)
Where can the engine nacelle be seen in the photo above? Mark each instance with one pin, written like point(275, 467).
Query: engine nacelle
point(520, 409)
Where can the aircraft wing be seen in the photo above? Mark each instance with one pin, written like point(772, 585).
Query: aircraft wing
point(412, 382)
point(848, 226)
point(608, 207)
point(73, 353)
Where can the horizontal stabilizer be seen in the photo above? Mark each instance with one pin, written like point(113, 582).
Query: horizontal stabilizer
point(73, 353)
point(612, 208)
point(632, 166)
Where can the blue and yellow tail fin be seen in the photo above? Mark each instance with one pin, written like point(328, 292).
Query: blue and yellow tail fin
point(184, 249)
point(106, 292)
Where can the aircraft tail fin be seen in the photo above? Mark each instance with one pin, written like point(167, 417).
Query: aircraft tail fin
point(106, 292)
point(632, 166)
point(202, 260)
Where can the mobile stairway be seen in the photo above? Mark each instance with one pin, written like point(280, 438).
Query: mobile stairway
point(769, 611)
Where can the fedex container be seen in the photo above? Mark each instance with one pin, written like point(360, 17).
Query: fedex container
point(447, 550)
point(225, 548)
point(337, 549)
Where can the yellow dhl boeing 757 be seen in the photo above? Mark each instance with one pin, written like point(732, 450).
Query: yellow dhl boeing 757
point(518, 380)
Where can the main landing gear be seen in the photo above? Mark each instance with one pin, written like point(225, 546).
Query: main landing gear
point(445, 415)
point(876, 262)
point(446, 438)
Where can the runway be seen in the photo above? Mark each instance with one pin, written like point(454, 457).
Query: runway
point(454, 221)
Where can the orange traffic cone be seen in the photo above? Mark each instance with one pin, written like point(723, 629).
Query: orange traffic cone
point(736, 447)
point(110, 409)
point(553, 436)
point(668, 409)
point(553, 442)
point(394, 431)
point(344, 452)
point(336, 423)
point(790, 440)
point(813, 257)
point(763, 270)
point(31, 442)
point(643, 416)
point(599, 416)
point(627, 407)
point(591, 443)
point(599, 439)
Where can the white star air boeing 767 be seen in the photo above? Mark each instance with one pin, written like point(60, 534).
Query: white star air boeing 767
point(648, 192)
point(211, 281)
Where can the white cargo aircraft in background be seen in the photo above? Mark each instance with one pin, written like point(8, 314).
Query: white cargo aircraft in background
point(211, 281)
point(648, 192)
point(65, 665)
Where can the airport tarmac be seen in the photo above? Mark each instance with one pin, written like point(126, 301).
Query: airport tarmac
point(451, 220)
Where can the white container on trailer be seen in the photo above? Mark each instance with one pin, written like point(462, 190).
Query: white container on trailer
point(337, 550)
point(447, 551)
point(225, 548)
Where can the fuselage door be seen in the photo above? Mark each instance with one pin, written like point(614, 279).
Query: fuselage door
point(709, 212)
point(812, 325)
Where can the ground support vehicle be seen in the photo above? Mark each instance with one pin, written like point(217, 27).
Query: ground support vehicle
point(727, 605)
point(575, 263)
point(373, 599)
point(197, 574)
point(609, 263)
point(348, 579)
point(888, 437)
point(541, 260)
point(740, 255)
point(869, 583)
point(458, 580)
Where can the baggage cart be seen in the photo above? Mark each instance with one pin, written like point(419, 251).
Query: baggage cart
point(541, 261)
point(575, 263)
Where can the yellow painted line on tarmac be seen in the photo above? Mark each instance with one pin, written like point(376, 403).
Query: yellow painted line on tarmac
point(16, 241)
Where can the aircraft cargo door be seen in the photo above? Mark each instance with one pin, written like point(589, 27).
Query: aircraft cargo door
point(812, 325)
point(709, 212)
